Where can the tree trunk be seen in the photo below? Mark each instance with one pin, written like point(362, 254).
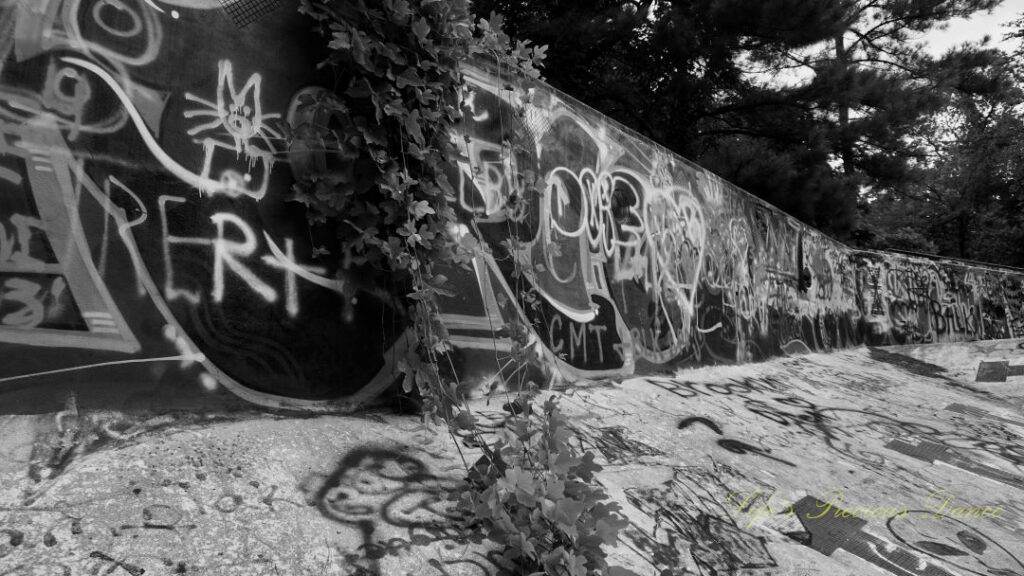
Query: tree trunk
point(845, 143)
point(963, 235)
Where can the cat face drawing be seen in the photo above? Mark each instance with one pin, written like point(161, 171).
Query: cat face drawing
point(235, 135)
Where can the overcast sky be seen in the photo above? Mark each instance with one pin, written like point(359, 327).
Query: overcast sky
point(976, 28)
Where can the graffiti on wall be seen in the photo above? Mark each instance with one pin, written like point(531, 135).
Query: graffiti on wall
point(638, 258)
point(145, 221)
point(912, 300)
point(144, 214)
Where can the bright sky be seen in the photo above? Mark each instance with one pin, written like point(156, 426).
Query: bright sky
point(961, 30)
point(938, 42)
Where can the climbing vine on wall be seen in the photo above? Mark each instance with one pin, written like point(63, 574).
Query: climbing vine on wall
point(379, 146)
point(387, 133)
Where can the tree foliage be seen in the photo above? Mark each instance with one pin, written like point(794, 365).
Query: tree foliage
point(969, 201)
point(806, 103)
point(968, 198)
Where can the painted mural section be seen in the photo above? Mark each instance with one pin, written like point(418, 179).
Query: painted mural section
point(919, 300)
point(633, 256)
point(145, 227)
point(639, 260)
point(146, 231)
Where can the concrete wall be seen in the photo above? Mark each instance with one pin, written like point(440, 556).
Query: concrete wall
point(146, 238)
point(915, 299)
point(644, 260)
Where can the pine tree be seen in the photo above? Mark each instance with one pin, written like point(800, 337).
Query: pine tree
point(809, 104)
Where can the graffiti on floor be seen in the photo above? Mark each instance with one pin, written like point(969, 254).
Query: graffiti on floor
point(829, 528)
point(378, 507)
point(997, 451)
point(663, 557)
point(929, 542)
point(954, 541)
point(690, 513)
point(380, 492)
point(615, 444)
point(741, 387)
point(731, 444)
point(930, 452)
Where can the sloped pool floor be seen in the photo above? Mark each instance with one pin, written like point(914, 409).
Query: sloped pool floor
point(867, 461)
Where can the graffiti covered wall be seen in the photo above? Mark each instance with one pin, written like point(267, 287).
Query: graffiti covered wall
point(144, 221)
point(146, 232)
point(913, 299)
point(640, 259)
point(637, 257)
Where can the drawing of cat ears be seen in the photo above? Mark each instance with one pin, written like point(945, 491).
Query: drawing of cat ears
point(237, 123)
point(249, 96)
point(232, 104)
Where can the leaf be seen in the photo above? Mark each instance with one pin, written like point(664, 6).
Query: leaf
point(588, 467)
point(497, 20)
point(566, 512)
point(526, 546)
point(619, 571)
point(420, 295)
point(520, 483)
point(375, 135)
point(421, 28)
point(409, 77)
point(562, 562)
point(341, 40)
point(414, 151)
point(359, 89)
point(607, 529)
point(562, 462)
point(465, 421)
point(419, 209)
point(400, 11)
point(412, 125)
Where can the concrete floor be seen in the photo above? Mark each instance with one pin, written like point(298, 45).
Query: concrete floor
point(867, 461)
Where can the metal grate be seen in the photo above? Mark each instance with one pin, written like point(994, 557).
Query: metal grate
point(965, 409)
point(925, 450)
point(992, 372)
point(245, 12)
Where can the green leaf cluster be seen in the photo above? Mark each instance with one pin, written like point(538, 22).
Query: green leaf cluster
point(372, 155)
point(537, 495)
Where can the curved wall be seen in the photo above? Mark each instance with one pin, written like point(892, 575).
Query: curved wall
point(146, 234)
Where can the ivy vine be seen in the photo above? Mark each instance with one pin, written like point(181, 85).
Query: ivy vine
point(380, 147)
